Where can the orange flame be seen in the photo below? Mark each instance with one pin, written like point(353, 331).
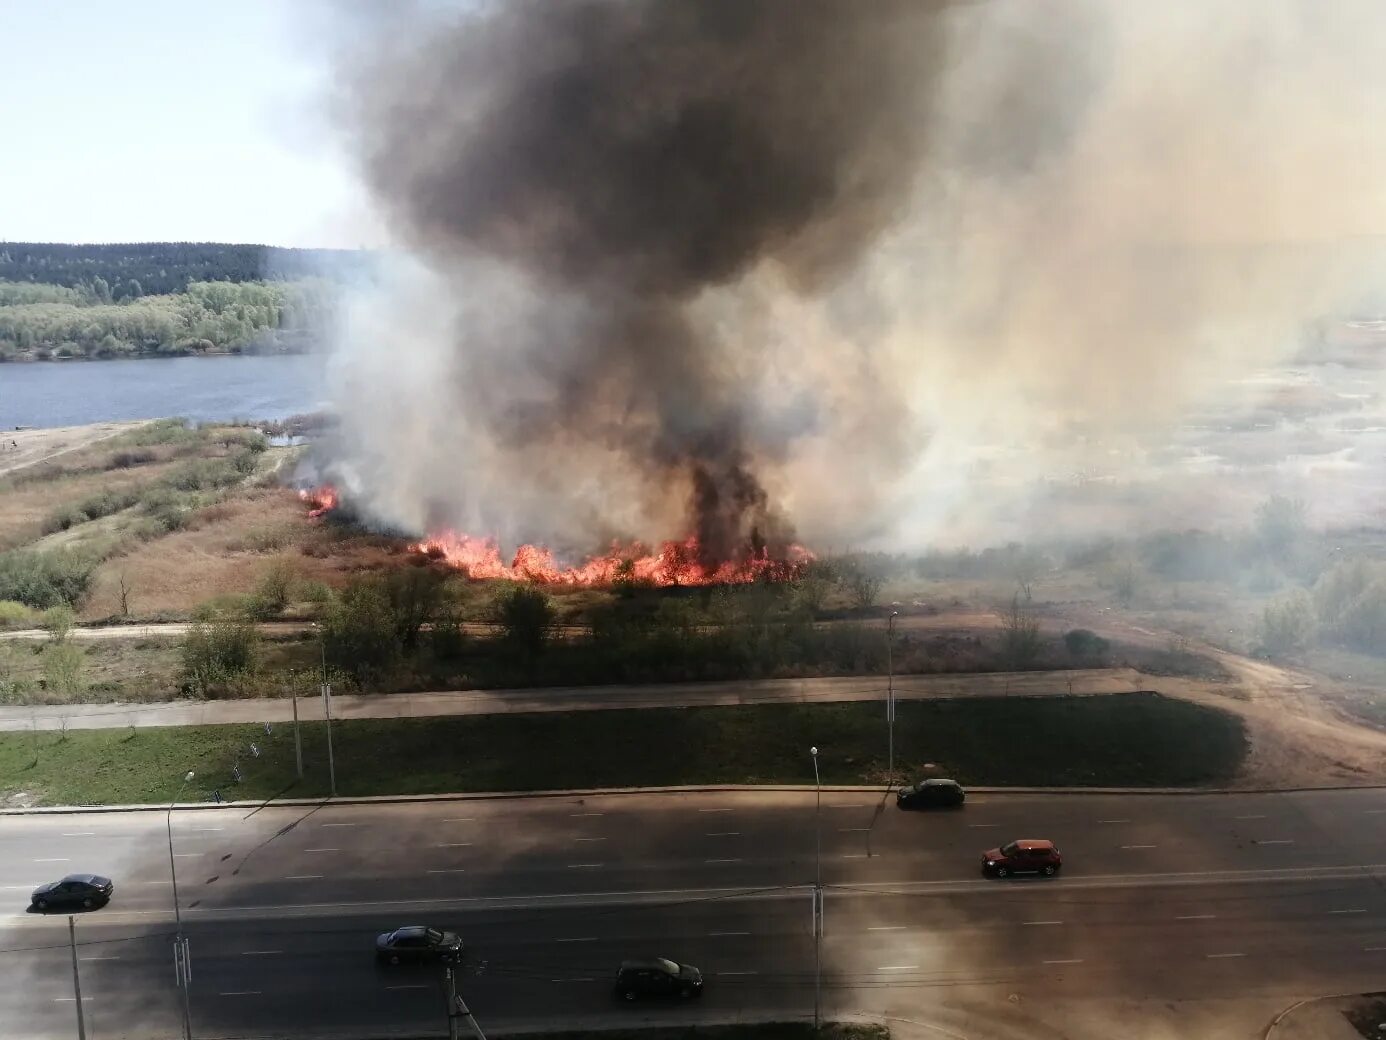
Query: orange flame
point(320, 500)
point(676, 563)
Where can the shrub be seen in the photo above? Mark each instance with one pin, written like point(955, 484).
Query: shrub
point(58, 621)
point(43, 580)
point(1085, 645)
point(15, 615)
point(273, 592)
point(360, 631)
point(1287, 626)
point(165, 507)
point(525, 615)
point(62, 669)
point(217, 652)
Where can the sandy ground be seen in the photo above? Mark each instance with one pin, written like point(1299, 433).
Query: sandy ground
point(21, 448)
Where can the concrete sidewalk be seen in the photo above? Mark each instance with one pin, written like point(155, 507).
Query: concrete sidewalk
point(1090, 682)
point(1327, 1018)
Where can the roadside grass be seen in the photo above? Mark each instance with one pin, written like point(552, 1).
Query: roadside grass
point(1135, 740)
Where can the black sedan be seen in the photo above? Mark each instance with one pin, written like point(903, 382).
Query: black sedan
point(417, 943)
point(75, 890)
point(931, 794)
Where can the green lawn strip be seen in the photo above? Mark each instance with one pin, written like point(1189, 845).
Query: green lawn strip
point(1136, 739)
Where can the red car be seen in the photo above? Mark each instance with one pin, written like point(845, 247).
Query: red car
point(1026, 856)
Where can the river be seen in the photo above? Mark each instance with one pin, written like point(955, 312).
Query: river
point(71, 393)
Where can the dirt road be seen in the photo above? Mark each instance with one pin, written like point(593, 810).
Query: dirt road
point(22, 448)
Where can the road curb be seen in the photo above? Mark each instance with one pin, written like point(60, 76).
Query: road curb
point(593, 792)
point(1297, 1005)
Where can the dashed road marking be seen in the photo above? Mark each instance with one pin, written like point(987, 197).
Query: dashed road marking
point(259, 953)
point(1374, 949)
point(79, 834)
point(1042, 922)
point(574, 815)
point(330, 825)
point(723, 935)
point(583, 979)
point(1255, 816)
point(1113, 821)
point(1138, 846)
point(59, 860)
point(722, 834)
point(736, 973)
point(979, 826)
point(716, 810)
point(1196, 917)
point(460, 819)
point(209, 830)
point(1275, 841)
point(303, 877)
point(886, 928)
point(455, 845)
point(410, 985)
point(898, 967)
point(581, 938)
point(721, 861)
point(322, 850)
point(448, 870)
point(853, 830)
point(188, 855)
point(584, 866)
point(1066, 960)
point(1354, 911)
point(1223, 956)
point(589, 839)
point(110, 957)
point(240, 993)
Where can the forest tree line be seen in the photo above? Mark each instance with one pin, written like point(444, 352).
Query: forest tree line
point(43, 322)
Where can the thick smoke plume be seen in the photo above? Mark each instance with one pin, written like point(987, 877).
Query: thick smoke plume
point(698, 266)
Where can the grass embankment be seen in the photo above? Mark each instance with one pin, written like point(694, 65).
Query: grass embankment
point(1137, 740)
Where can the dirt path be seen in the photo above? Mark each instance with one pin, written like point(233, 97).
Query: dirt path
point(23, 448)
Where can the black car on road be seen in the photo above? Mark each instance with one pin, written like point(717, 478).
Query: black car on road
point(657, 977)
point(417, 942)
point(931, 794)
point(83, 890)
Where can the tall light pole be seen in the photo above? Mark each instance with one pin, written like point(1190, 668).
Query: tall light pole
point(817, 893)
point(76, 979)
point(327, 711)
point(181, 965)
point(890, 693)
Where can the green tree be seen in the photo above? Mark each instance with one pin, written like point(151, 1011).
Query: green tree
point(416, 594)
point(526, 617)
point(360, 631)
point(219, 652)
point(274, 590)
point(58, 622)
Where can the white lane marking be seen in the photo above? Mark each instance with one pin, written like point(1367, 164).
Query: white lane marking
point(1347, 911)
point(584, 938)
point(853, 855)
point(853, 805)
point(716, 810)
point(69, 1000)
point(187, 855)
point(448, 870)
point(575, 815)
point(979, 826)
point(886, 928)
point(721, 861)
point(1113, 821)
point(589, 839)
point(721, 935)
point(1374, 812)
point(322, 850)
point(1257, 816)
point(1374, 949)
point(1067, 960)
point(110, 957)
point(79, 834)
point(585, 979)
point(1196, 917)
point(1138, 846)
point(582, 866)
point(240, 993)
point(898, 967)
point(21, 888)
point(460, 819)
point(853, 830)
point(259, 953)
point(60, 860)
point(1042, 922)
point(735, 973)
point(1275, 841)
point(1220, 956)
point(152, 882)
point(302, 877)
point(330, 825)
point(209, 830)
point(410, 985)
point(722, 834)
point(455, 845)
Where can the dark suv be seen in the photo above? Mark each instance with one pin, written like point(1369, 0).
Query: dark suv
point(1026, 856)
point(931, 794)
point(657, 977)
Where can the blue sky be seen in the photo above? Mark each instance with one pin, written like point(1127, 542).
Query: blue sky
point(165, 120)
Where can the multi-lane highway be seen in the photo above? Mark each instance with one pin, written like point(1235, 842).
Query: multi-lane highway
point(1175, 898)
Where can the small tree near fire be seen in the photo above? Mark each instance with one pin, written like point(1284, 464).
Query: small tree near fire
point(525, 616)
point(1020, 635)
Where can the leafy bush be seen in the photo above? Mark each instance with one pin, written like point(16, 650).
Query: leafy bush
point(58, 621)
point(360, 631)
point(43, 580)
point(273, 592)
point(525, 616)
point(15, 615)
point(1085, 645)
point(1287, 626)
point(165, 507)
point(219, 652)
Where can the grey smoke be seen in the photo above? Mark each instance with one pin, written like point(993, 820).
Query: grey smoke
point(871, 266)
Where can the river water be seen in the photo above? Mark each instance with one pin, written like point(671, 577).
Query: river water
point(70, 393)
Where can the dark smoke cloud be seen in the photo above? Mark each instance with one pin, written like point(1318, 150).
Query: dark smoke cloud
point(620, 160)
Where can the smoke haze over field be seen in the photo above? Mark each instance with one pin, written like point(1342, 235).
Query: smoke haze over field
point(876, 270)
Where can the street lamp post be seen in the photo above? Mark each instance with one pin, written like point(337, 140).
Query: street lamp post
point(327, 711)
point(890, 692)
point(817, 893)
point(181, 965)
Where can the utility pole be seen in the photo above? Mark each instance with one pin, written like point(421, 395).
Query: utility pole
point(327, 712)
point(182, 966)
point(76, 979)
point(890, 691)
point(298, 742)
point(817, 895)
point(457, 1008)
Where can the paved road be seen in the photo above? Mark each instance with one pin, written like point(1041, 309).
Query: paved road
point(1165, 898)
point(576, 698)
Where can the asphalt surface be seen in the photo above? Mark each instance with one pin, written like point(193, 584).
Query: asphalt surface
point(1166, 897)
point(1092, 681)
